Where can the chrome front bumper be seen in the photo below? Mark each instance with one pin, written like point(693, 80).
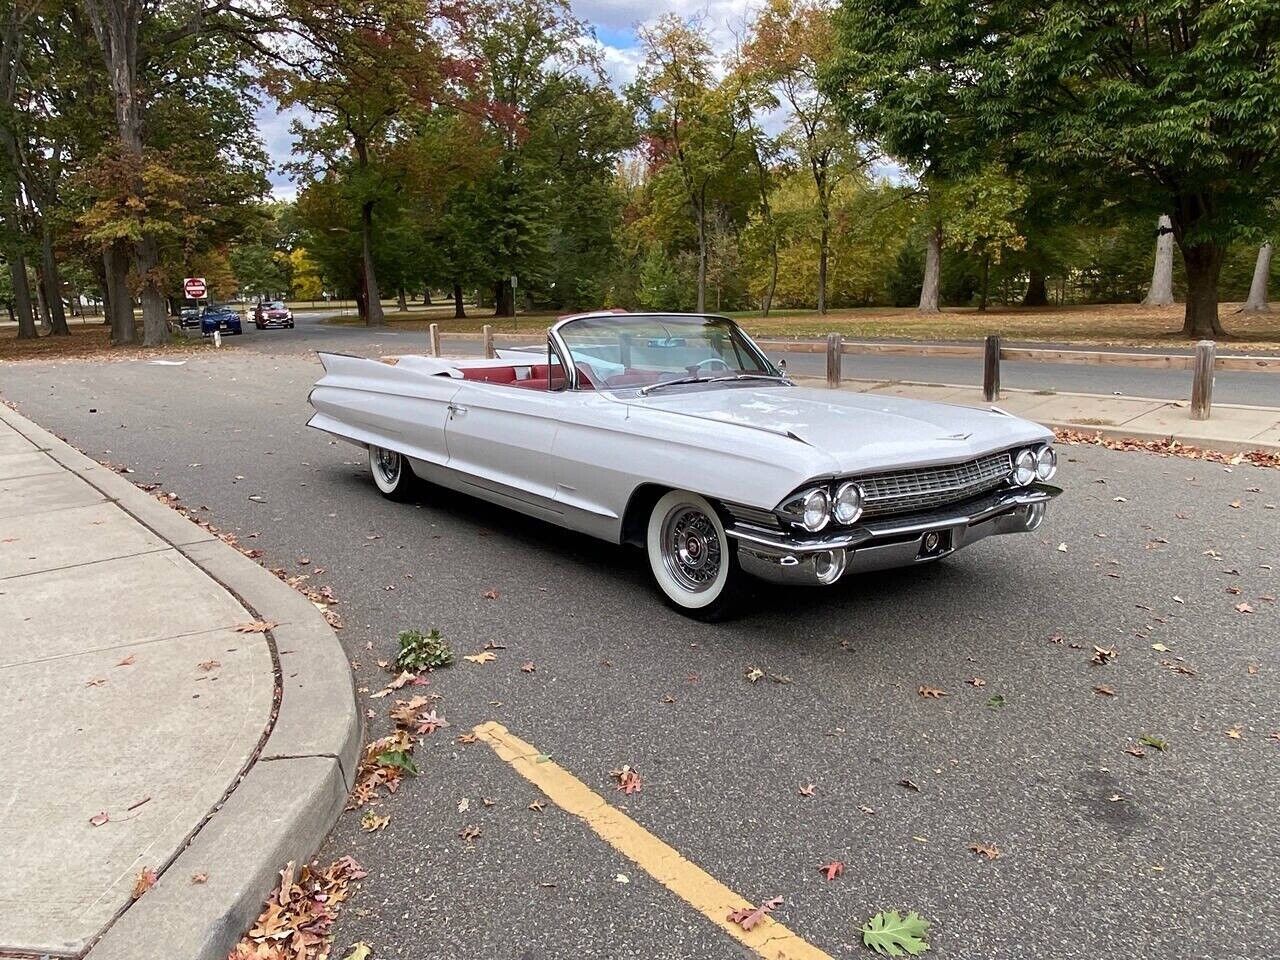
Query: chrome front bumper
point(888, 542)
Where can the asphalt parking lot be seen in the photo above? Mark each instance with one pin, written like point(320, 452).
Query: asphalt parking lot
point(1103, 853)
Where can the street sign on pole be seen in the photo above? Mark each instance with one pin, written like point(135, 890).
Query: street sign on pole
point(194, 288)
point(513, 281)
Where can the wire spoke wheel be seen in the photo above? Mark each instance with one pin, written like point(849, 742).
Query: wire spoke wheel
point(691, 548)
point(387, 463)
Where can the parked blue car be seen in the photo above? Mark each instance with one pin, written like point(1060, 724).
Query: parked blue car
point(218, 316)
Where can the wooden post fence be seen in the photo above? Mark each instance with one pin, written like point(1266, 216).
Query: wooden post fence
point(991, 370)
point(1202, 380)
point(434, 335)
point(834, 343)
point(488, 341)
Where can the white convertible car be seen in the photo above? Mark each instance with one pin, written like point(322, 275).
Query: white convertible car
point(675, 433)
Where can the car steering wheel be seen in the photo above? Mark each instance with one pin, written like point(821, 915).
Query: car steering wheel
point(710, 365)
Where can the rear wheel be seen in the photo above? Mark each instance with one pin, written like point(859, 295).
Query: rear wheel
point(392, 474)
point(692, 560)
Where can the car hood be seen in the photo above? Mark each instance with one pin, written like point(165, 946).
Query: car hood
point(858, 431)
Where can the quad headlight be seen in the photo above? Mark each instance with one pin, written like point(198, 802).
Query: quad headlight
point(848, 503)
point(817, 510)
point(1046, 463)
point(1024, 468)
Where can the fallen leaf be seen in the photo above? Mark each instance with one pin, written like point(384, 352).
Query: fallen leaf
point(490, 595)
point(1135, 751)
point(527, 667)
point(833, 869)
point(909, 784)
point(1149, 741)
point(484, 656)
point(753, 674)
point(1104, 654)
point(1244, 607)
point(622, 878)
point(98, 819)
point(806, 790)
point(127, 661)
point(255, 626)
point(359, 951)
point(207, 665)
point(146, 880)
point(470, 833)
point(995, 702)
point(932, 693)
point(628, 780)
point(985, 850)
point(537, 806)
point(371, 822)
point(976, 682)
point(467, 738)
point(1104, 691)
point(95, 682)
point(748, 917)
point(1159, 648)
point(1235, 733)
point(894, 935)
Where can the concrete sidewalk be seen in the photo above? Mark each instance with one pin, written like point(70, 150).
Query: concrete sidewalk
point(1231, 428)
point(137, 717)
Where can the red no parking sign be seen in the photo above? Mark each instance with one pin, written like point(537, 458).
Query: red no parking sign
point(194, 288)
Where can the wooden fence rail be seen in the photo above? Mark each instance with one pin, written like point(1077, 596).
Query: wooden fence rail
point(1204, 363)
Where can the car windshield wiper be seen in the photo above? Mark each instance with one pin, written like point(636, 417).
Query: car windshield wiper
point(644, 391)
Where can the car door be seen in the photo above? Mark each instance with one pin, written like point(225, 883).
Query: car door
point(500, 438)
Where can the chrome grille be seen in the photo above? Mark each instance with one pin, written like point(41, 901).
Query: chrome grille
point(907, 491)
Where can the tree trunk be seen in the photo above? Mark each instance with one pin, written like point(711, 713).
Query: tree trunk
point(373, 316)
point(932, 271)
point(426, 295)
point(702, 260)
point(986, 283)
point(1037, 294)
point(53, 282)
point(119, 301)
point(21, 295)
point(1161, 292)
point(402, 304)
point(1204, 264)
point(1257, 302)
point(155, 316)
point(459, 313)
point(42, 303)
point(504, 300)
point(773, 274)
point(823, 251)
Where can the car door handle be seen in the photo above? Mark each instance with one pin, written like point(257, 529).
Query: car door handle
point(456, 410)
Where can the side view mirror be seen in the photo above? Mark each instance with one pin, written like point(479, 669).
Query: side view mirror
point(782, 365)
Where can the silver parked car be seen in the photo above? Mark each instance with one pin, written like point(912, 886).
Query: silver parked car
point(675, 433)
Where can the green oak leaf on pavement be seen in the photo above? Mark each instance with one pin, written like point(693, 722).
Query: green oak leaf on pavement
point(401, 759)
point(889, 934)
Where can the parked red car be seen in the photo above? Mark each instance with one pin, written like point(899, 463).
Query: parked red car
point(272, 313)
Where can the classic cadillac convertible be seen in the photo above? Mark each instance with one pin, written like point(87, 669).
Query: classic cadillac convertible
point(675, 433)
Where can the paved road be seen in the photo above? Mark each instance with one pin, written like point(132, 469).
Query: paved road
point(1259, 389)
point(1172, 855)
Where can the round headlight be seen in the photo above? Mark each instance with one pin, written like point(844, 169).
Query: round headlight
point(848, 505)
point(817, 510)
point(1046, 463)
point(1024, 468)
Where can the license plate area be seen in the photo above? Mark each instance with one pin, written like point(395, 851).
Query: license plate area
point(935, 543)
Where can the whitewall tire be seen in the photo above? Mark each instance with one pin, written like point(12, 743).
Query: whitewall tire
point(391, 474)
point(693, 562)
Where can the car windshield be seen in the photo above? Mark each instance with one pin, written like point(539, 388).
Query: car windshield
point(652, 351)
point(275, 305)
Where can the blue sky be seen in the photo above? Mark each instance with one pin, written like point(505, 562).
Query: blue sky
point(614, 21)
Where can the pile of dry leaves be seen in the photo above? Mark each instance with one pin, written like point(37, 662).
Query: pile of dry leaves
point(1168, 447)
point(296, 921)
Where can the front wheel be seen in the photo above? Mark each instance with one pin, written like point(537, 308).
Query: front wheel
point(692, 560)
point(391, 474)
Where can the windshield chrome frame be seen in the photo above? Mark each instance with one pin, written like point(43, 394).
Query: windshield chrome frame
point(554, 336)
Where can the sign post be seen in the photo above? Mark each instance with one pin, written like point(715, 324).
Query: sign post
point(194, 288)
point(515, 309)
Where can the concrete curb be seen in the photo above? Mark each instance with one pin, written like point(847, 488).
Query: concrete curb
point(291, 795)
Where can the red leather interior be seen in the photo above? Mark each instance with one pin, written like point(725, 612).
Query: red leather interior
point(538, 379)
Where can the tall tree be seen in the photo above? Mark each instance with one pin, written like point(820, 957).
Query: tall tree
point(360, 69)
point(1160, 293)
point(1166, 105)
point(693, 127)
point(790, 45)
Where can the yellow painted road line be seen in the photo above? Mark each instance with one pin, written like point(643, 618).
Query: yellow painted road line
point(769, 938)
